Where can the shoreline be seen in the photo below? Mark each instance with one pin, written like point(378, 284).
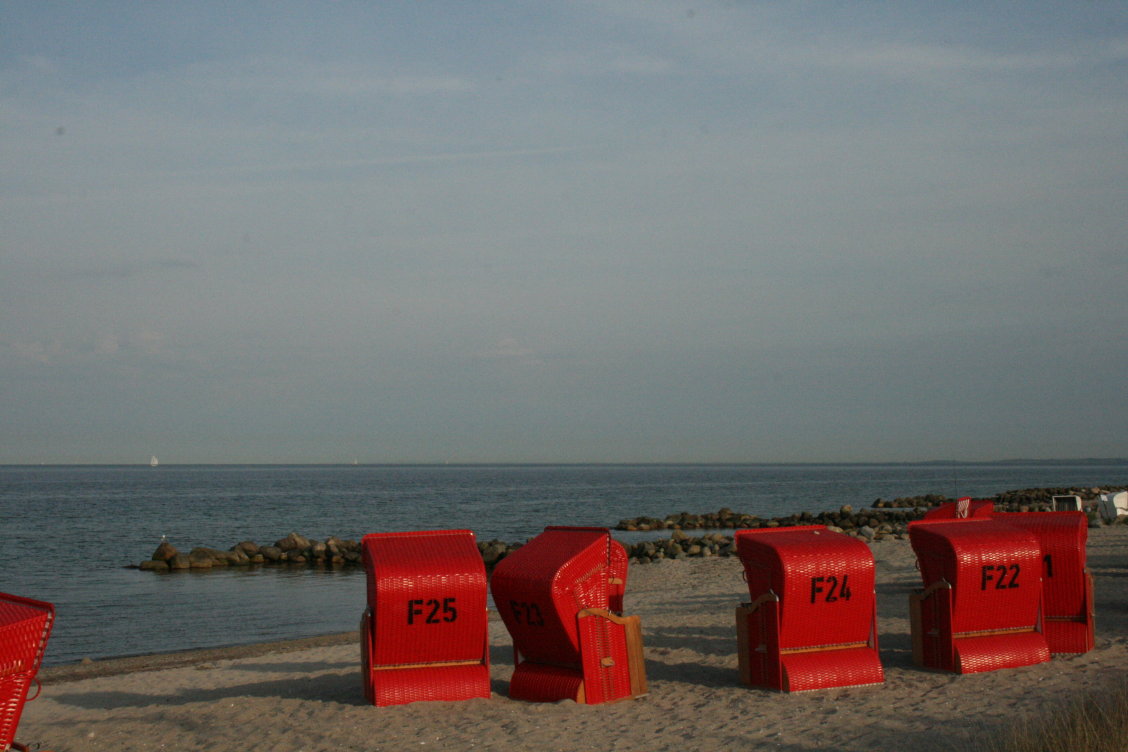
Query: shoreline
point(307, 694)
point(93, 669)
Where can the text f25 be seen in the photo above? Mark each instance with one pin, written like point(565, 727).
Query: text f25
point(431, 611)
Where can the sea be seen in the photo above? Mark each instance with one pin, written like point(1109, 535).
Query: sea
point(70, 533)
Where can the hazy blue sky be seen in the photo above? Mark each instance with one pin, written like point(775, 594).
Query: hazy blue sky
point(589, 231)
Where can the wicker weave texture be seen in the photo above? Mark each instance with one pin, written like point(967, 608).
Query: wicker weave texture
point(427, 592)
point(606, 673)
point(1066, 582)
point(981, 608)
point(813, 623)
point(1070, 636)
point(824, 580)
point(25, 626)
point(977, 654)
point(995, 571)
point(849, 667)
point(540, 682)
point(539, 588)
point(429, 684)
point(424, 633)
point(554, 595)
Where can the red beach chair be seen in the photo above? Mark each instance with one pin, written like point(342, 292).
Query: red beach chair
point(812, 621)
point(423, 635)
point(25, 626)
point(559, 595)
point(961, 509)
point(981, 606)
point(1067, 583)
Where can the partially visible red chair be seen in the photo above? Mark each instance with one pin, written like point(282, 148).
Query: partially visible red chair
point(424, 633)
point(1067, 583)
point(25, 626)
point(560, 596)
point(961, 509)
point(981, 605)
point(812, 620)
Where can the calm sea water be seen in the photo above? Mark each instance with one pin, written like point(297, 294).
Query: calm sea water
point(70, 532)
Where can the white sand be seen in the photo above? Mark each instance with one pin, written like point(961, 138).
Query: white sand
point(275, 698)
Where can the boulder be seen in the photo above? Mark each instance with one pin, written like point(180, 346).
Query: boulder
point(164, 552)
point(154, 565)
point(197, 556)
point(250, 548)
point(493, 552)
point(271, 553)
point(293, 542)
point(201, 558)
point(237, 557)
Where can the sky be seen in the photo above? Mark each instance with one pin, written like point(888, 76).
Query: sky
point(603, 231)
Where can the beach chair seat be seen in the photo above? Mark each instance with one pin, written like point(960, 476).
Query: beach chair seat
point(812, 620)
point(981, 606)
point(1067, 584)
point(424, 632)
point(25, 626)
point(962, 509)
point(560, 596)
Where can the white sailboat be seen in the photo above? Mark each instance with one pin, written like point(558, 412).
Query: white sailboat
point(153, 461)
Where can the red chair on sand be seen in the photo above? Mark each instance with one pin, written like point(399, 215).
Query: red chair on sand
point(423, 635)
point(559, 596)
point(812, 621)
point(962, 509)
point(981, 606)
point(25, 626)
point(1067, 584)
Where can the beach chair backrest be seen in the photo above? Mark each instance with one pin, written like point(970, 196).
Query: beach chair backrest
point(541, 587)
point(427, 594)
point(994, 569)
point(824, 581)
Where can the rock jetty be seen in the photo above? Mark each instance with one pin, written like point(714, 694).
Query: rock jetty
point(293, 550)
point(885, 520)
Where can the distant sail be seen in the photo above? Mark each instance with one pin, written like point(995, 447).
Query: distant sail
point(153, 461)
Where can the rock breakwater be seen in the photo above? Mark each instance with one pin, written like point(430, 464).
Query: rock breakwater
point(885, 520)
point(293, 550)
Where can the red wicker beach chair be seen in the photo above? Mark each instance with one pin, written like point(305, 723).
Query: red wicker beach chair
point(423, 635)
point(981, 606)
point(1067, 584)
point(559, 596)
point(25, 626)
point(812, 620)
point(961, 509)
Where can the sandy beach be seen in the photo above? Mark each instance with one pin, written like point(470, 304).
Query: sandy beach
point(306, 695)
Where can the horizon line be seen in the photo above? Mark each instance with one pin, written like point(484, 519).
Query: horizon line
point(548, 463)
